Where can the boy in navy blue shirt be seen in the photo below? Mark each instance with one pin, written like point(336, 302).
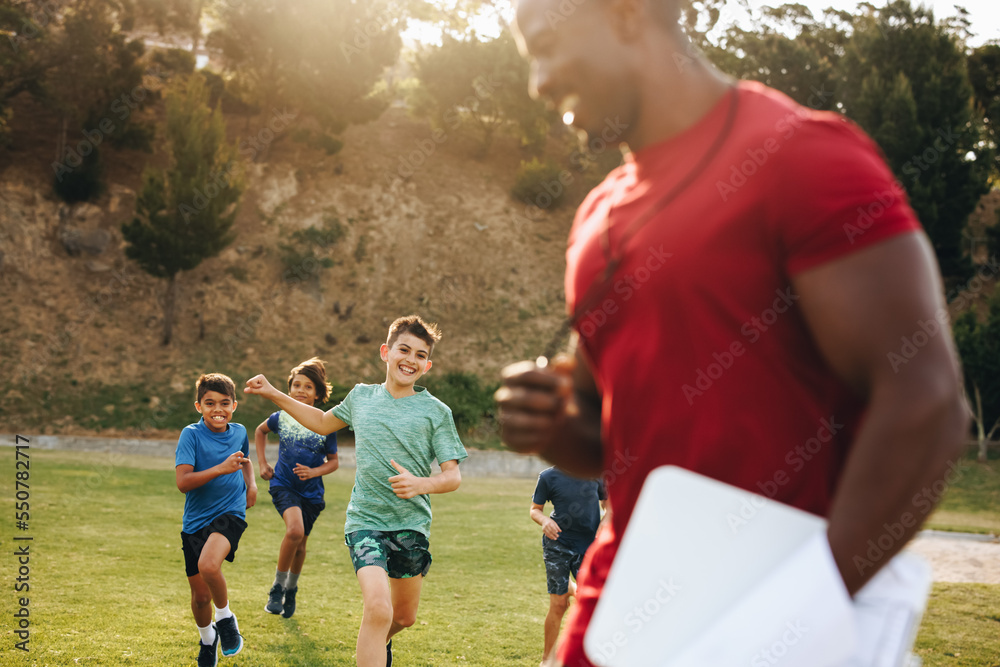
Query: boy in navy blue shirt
point(566, 534)
point(209, 454)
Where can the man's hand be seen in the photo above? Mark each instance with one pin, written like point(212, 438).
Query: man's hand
point(551, 529)
point(266, 471)
point(251, 496)
point(405, 485)
point(304, 472)
point(534, 402)
point(232, 463)
point(258, 384)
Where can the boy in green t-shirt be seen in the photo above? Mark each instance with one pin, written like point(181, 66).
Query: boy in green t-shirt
point(399, 430)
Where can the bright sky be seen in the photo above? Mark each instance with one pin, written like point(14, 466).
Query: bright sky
point(984, 14)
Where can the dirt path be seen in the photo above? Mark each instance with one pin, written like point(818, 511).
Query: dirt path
point(960, 558)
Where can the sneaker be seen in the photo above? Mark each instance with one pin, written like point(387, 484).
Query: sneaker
point(289, 607)
point(229, 632)
point(208, 656)
point(273, 605)
point(388, 654)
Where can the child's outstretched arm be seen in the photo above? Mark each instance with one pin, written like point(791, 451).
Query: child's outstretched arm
point(407, 485)
point(312, 418)
point(304, 472)
point(188, 479)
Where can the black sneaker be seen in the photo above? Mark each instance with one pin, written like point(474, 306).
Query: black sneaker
point(289, 607)
point(230, 637)
point(388, 654)
point(273, 605)
point(208, 656)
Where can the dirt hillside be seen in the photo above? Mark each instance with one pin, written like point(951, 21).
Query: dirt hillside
point(425, 229)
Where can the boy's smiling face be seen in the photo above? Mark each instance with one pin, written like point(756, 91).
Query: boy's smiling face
point(217, 409)
point(406, 360)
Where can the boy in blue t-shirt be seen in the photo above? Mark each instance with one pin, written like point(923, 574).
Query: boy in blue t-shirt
point(297, 479)
point(566, 534)
point(400, 429)
point(209, 454)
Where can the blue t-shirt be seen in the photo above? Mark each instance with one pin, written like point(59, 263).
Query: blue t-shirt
point(203, 448)
point(413, 431)
point(575, 506)
point(297, 444)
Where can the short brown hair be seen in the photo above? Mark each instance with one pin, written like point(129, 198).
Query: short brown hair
point(414, 325)
point(215, 382)
point(315, 371)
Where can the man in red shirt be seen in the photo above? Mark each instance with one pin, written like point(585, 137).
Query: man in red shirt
point(742, 290)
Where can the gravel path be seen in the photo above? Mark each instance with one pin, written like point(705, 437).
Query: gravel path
point(960, 557)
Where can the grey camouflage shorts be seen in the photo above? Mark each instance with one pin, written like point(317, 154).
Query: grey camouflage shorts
point(560, 562)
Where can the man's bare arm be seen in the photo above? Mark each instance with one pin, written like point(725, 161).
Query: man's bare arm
point(859, 309)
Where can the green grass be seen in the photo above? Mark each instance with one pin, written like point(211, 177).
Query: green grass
point(108, 584)
point(108, 588)
point(961, 626)
point(971, 502)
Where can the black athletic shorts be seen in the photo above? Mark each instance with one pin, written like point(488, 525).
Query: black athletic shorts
point(229, 526)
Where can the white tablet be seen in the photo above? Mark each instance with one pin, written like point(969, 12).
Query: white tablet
point(710, 575)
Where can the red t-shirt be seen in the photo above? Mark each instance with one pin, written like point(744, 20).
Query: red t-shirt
point(697, 341)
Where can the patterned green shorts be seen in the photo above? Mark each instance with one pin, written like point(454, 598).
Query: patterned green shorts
point(401, 553)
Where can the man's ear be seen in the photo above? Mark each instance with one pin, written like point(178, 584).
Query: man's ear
point(235, 403)
point(197, 406)
point(428, 366)
point(384, 352)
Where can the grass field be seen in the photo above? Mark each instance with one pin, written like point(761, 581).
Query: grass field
point(108, 588)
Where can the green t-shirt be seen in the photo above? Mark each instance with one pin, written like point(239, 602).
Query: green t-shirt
point(413, 431)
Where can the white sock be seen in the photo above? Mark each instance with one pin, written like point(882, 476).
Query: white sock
point(222, 613)
point(207, 634)
point(292, 580)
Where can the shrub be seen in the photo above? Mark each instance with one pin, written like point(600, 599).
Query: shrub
point(538, 183)
point(175, 61)
point(329, 144)
point(81, 183)
point(307, 254)
point(470, 401)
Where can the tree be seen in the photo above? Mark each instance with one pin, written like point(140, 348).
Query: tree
point(24, 56)
point(481, 85)
point(905, 81)
point(321, 58)
point(185, 213)
point(984, 74)
point(787, 49)
point(978, 344)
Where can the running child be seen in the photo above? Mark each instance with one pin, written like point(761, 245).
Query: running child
point(209, 454)
point(400, 428)
point(297, 479)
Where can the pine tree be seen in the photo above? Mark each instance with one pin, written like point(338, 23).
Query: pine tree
point(185, 213)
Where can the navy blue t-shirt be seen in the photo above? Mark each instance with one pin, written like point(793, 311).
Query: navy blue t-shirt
point(575, 506)
point(203, 448)
point(297, 444)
